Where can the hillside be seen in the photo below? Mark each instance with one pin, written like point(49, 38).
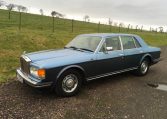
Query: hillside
point(36, 34)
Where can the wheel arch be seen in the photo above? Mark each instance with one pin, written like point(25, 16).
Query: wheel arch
point(148, 56)
point(72, 67)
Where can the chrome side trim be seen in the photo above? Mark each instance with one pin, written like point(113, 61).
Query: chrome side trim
point(111, 73)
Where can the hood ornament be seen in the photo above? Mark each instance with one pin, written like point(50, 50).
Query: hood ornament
point(24, 52)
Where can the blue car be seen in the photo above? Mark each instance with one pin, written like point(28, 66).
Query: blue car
point(86, 57)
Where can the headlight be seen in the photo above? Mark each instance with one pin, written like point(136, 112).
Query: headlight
point(39, 73)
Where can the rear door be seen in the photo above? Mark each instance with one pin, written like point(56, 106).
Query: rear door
point(132, 51)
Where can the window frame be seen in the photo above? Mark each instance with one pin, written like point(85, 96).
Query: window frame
point(104, 41)
point(133, 38)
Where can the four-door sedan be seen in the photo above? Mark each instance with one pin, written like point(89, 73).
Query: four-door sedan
point(87, 57)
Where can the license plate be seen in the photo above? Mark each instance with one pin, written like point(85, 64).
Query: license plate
point(19, 78)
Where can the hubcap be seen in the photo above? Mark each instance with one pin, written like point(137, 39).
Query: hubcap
point(70, 83)
point(144, 67)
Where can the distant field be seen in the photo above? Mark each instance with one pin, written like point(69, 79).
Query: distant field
point(36, 34)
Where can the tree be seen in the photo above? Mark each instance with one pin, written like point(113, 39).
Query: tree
point(86, 18)
point(41, 12)
point(10, 7)
point(120, 26)
point(115, 24)
point(21, 9)
point(55, 14)
point(161, 29)
point(137, 27)
point(141, 28)
point(2, 3)
point(128, 27)
point(110, 22)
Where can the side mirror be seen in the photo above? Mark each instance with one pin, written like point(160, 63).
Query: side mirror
point(109, 48)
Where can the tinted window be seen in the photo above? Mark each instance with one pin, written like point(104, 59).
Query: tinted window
point(113, 42)
point(137, 43)
point(128, 42)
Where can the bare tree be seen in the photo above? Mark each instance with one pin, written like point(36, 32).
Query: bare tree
point(115, 24)
point(161, 29)
point(10, 7)
point(150, 28)
point(120, 26)
point(41, 12)
point(86, 18)
point(137, 27)
point(141, 28)
point(110, 22)
point(56, 14)
point(21, 9)
point(2, 3)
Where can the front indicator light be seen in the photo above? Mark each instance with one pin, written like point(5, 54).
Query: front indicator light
point(41, 73)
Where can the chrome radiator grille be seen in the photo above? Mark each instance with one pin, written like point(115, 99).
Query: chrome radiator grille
point(24, 65)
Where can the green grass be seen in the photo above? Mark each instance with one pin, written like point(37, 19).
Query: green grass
point(36, 34)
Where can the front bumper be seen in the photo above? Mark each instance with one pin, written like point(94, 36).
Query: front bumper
point(34, 83)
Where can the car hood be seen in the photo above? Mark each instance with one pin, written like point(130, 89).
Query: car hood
point(52, 58)
point(49, 54)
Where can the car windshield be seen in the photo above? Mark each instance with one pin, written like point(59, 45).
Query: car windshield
point(88, 43)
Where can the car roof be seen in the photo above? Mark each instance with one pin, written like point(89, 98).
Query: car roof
point(107, 34)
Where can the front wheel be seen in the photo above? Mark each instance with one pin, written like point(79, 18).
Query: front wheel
point(68, 84)
point(143, 68)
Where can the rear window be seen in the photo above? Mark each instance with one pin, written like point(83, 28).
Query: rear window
point(137, 43)
point(128, 42)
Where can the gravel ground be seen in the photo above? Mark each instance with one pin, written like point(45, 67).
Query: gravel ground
point(116, 97)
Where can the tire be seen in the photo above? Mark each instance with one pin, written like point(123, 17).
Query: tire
point(69, 84)
point(143, 68)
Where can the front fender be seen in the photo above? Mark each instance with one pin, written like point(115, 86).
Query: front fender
point(70, 67)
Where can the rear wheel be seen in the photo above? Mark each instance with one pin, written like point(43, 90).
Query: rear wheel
point(69, 83)
point(143, 68)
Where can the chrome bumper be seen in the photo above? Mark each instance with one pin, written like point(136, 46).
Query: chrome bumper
point(31, 82)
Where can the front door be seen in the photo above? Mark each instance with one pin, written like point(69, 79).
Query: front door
point(110, 61)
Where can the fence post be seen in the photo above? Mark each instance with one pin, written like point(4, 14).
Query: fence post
point(136, 28)
point(53, 23)
point(72, 25)
point(128, 27)
point(110, 28)
point(20, 22)
point(119, 28)
point(99, 27)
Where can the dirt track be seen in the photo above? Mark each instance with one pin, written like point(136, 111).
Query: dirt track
point(118, 97)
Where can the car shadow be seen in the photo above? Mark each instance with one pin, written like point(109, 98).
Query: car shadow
point(91, 85)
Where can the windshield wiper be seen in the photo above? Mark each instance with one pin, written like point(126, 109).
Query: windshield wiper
point(80, 49)
point(73, 47)
point(86, 49)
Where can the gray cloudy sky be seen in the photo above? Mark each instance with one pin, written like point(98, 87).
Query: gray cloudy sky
point(148, 12)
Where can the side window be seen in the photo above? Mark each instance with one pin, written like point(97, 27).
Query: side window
point(128, 42)
point(137, 43)
point(113, 42)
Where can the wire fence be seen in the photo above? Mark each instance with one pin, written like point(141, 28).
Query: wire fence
point(25, 21)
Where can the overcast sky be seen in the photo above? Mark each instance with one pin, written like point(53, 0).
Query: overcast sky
point(147, 12)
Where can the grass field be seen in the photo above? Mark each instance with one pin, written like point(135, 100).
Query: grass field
point(36, 34)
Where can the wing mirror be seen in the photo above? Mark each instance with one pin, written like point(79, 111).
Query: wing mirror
point(109, 48)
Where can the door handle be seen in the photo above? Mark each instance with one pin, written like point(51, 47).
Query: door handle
point(121, 55)
point(141, 51)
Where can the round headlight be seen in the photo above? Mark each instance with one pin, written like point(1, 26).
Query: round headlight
point(39, 73)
